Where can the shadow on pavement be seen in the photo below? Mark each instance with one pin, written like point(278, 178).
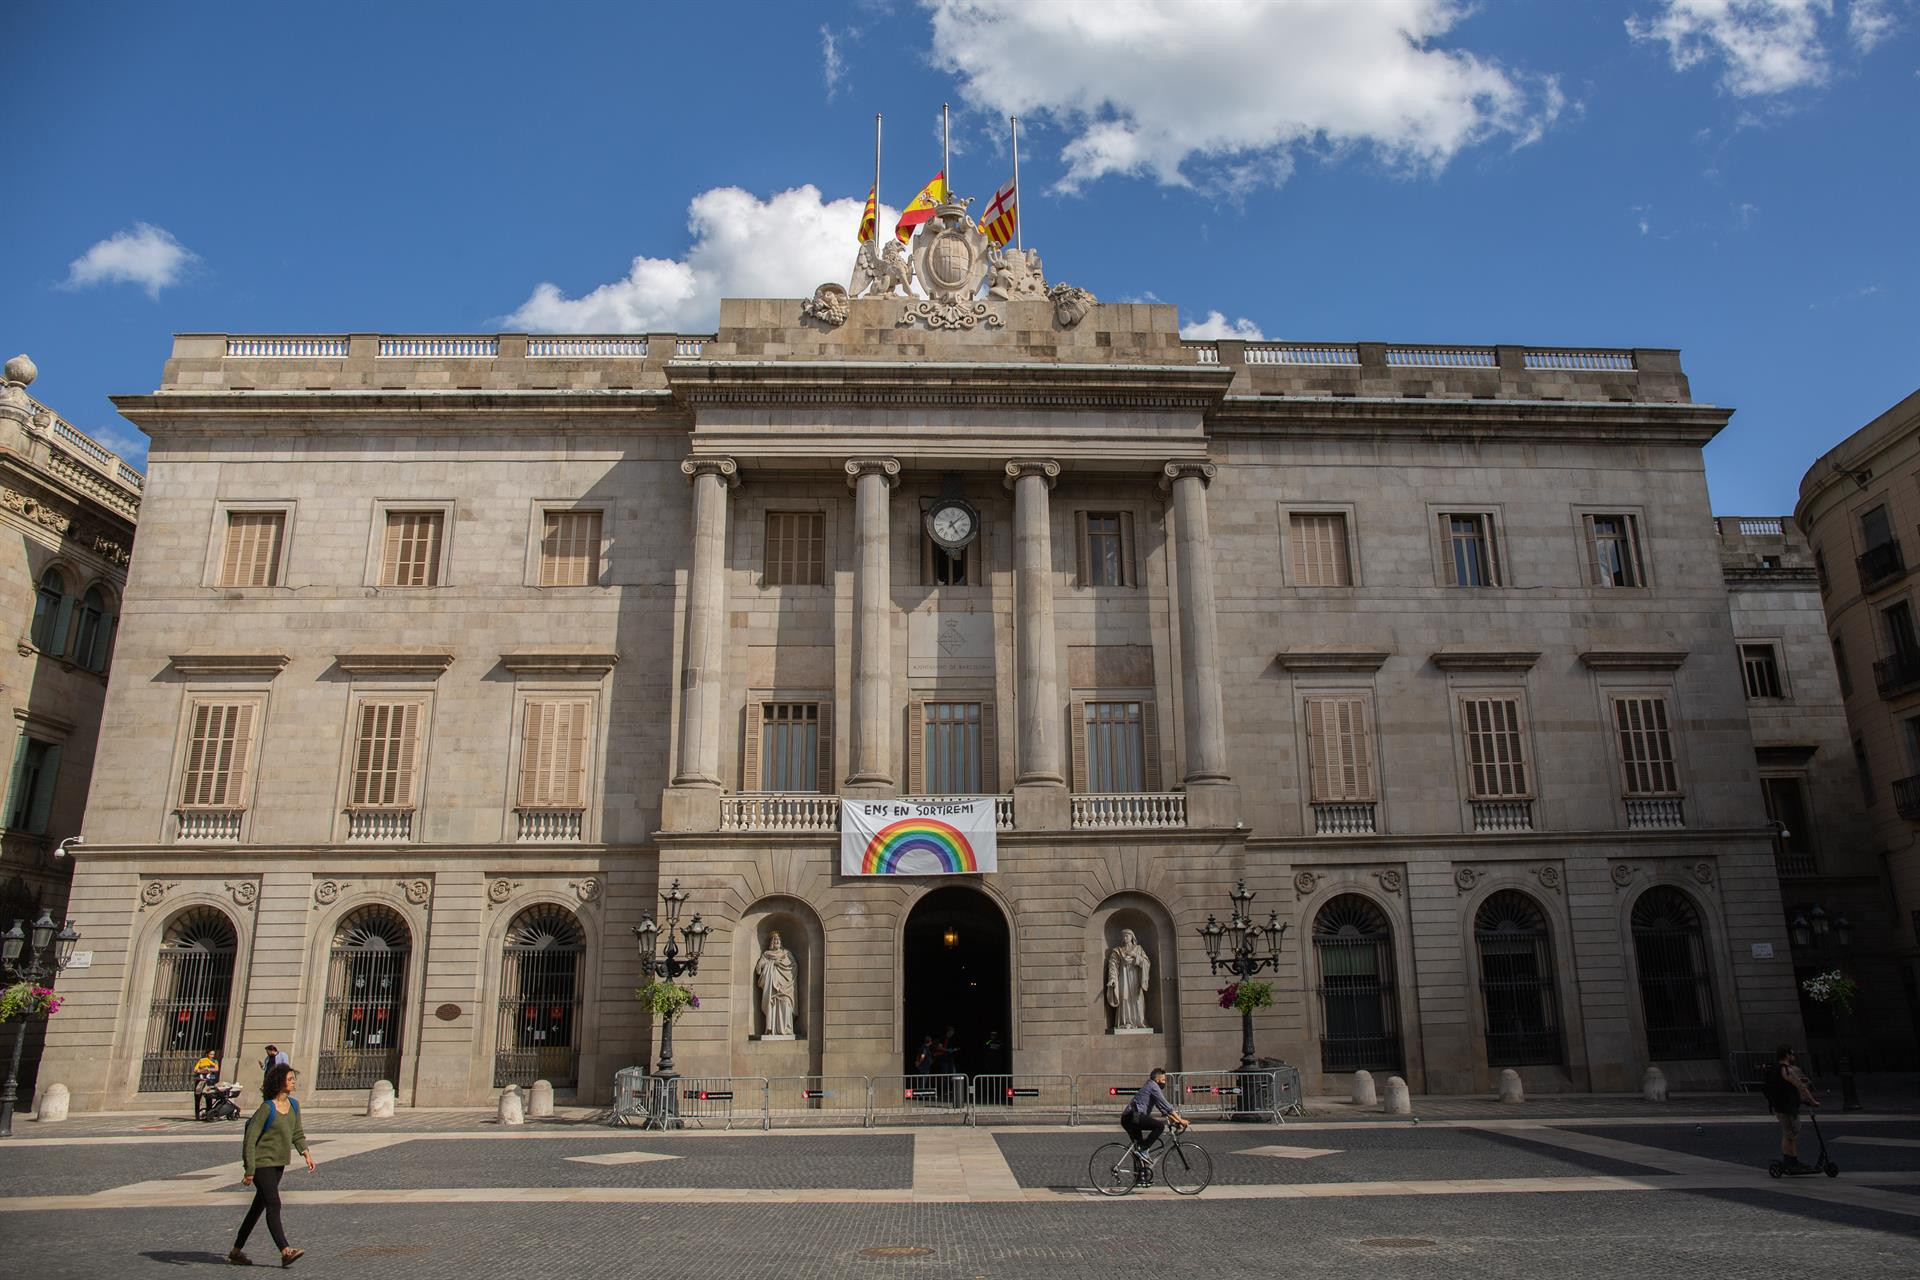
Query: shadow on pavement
point(186, 1257)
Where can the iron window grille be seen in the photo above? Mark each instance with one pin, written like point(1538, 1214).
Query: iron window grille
point(1359, 987)
point(1676, 993)
point(1517, 983)
point(361, 1021)
point(192, 993)
point(538, 1017)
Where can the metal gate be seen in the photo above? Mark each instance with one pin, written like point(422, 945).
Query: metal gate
point(1516, 982)
point(1359, 987)
point(192, 988)
point(1675, 993)
point(366, 989)
point(537, 1034)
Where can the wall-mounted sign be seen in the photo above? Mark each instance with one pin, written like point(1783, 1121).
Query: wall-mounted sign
point(447, 1012)
point(1763, 951)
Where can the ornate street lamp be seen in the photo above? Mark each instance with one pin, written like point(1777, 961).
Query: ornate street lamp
point(1814, 934)
point(1246, 955)
point(666, 964)
point(38, 967)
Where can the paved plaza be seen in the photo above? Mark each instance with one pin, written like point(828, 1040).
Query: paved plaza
point(1609, 1187)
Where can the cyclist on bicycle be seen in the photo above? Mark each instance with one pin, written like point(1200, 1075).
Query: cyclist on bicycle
point(1142, 1120)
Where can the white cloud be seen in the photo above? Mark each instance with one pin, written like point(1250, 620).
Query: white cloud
point(1216, 326)
point(1764, 47)
point(1222, 95)
point(146, 255)
point(1869, 22)
point(832, 68)
point(743, 247)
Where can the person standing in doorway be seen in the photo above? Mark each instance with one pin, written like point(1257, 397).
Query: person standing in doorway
point(273, 1135)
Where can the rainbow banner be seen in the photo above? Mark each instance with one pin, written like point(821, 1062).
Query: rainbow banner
point(917, 837)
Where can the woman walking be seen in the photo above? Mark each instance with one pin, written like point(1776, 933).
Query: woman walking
point(273, 1135)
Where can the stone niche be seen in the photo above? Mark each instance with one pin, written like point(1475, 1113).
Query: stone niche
point(800, 933)
point(1153, 928)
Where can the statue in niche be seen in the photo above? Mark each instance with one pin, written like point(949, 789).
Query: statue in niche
point(1129, 974)
point(775, 974)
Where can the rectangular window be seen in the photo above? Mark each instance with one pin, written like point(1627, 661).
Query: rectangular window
point(410, 553)
point(940, 567)
point(1468, 551)
point(385, 755)
point(790, 746)
point(1496, 752)
point(1901, 640)
point(1646, 747)
point(1875, 529)
point(569, 548)
point(219, 751)
point(1910, 736)
point(1106, 549)
point(1339, 751)
point(1785, 802)
point(553, 753)
point(1760, 668)
point(251, 557)
point(796, 549)
point(1319, 545)
point(1840, 668)
point(952, 743)
point(1613, 549)
point(1820, 569)
point(36, 771)
point(1116, 747)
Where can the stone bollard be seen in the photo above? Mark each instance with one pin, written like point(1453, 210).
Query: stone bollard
point(380, 1100)
point(540, 1101)
point(1511, 1090)
point(513, 1108)
point(1397, 1101)
point(1653, 1085)
point(53, 1104)
point(1363, 1093)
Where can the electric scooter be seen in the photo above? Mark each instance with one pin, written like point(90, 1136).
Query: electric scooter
point(1821, 1164)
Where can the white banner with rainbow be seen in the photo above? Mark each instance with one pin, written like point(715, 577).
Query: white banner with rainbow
point(917, 838)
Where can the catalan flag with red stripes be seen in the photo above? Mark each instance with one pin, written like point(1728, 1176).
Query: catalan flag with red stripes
point(922, 209)
point(871, 215)
point(1002, 215)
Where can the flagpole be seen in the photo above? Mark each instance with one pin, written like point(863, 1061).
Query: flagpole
point(876, 180)
point(946, 150)
point(1019, 232)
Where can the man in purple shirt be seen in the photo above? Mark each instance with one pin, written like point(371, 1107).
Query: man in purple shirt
point(1142, 1120)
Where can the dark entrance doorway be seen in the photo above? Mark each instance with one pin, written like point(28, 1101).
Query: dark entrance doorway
point(955, 962)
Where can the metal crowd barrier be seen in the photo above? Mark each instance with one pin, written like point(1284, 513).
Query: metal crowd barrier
point(631, 1091)
point(824, 1100)
point(917, 1099)
point(1105, 1094)
point(1290, 1093)
point(1228, 1095)
point(722, 1101)
point(1748, 1070)
point(1016, 1099)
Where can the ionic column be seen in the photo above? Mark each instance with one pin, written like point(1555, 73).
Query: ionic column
point(1204, 719)
point(1035, 657)
point(872, 481)
point(703, 654)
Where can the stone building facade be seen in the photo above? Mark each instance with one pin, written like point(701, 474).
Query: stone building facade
point(1859, 507)
point(69, 505)
point(450, 654)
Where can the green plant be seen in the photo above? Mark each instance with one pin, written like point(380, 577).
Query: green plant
point(25, 1000)
point(1246, 996)
point(666, 999)
point(1832, 987)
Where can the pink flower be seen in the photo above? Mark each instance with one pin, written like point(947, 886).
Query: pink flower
point(1228, 995)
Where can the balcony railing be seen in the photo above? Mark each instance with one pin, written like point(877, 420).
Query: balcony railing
point(1799, 862)
point(550, 826)
point(206, 826)
point(779, 811)
point(1881, 565)
point(1002, 807)
point(1896, 675)
point(1655, 813)
point(379, 826)
point(1129, 810)
point(1343, 819)
point(1502, 815)
point(1906, 796)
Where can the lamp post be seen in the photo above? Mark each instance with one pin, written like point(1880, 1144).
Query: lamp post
point(38, 966)
point(666, 964)
point(1813, 932)
point(1244, 958)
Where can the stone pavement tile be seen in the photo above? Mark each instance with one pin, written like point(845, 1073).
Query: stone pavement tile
point(85, 1170)
point(1754, 1145)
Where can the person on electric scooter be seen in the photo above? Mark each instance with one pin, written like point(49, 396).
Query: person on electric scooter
point(1785, 1088)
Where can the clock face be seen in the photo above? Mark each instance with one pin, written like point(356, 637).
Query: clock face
point(952, 524)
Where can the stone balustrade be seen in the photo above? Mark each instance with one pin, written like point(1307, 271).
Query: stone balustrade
point(1502, 815)
point(550, 826)
point(1655, 813)
point(1442, 358)
point(779, 811)
point(206, 826)
point(453, 348)
point(119, 485)
point(1139, 810)
point(379, 826)
point(1344, 819)
point(1303, 354)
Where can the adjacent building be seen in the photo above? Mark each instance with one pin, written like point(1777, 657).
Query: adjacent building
point(449, 654)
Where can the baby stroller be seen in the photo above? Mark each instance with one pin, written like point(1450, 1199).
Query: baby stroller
point(1819, 1164)
point(222, 1101)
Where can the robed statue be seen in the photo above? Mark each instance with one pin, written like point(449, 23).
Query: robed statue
point(1129, 974)
point(775, 974)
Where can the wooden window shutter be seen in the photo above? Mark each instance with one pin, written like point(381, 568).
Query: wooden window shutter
point(1319, 776)
point(238, 754)
point(1301, 534)
point(536, 746)
point(989, 751)
point(1129, 572)
point(1356, 754)
point(750, 779)
point(231, 563)
point(572, 793)
point(1449, 567)
point(825, 782)
point(917, 747)
point(407, 754)
point(1596, 571)
point(366, 746)
point(193, 775)
point(393, 551)
point(1081, 554)
point(1632, 524)
point(1150, 746)
point(1077, 743)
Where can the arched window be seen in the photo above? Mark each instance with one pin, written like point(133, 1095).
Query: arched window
point(90, 636)
point(1517, 983)
point(538, 1026)
point(1359, 1005)
point(49, 607)
point(1676, 993)
point(366, 991)
point(192, 990)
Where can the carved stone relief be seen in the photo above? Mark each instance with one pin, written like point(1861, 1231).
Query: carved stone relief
point(327, 892)
point(1303, 883)
point(245, 892)
point(1703, 872)
point(500, 890)
point(1389, 880)
point(154, 892)
point(417, 891)
point(1465, 878)
point(587, 890)
point(1549, 877)
point(828, 305)
point(1622, 874)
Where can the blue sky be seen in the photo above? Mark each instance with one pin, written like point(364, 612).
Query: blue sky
point(1734, 179)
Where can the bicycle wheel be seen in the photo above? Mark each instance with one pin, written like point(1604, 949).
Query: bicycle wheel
point(1187, 1168)
point(1110, 1172)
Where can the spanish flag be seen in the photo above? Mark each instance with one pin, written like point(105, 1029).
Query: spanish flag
point(1002, 216)
point(930, 198)
point(870, 216)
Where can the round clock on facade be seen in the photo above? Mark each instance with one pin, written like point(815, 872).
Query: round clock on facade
point(953, 523)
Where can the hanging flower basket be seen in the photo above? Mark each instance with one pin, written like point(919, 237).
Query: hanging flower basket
point(1246, 996)
point(667, 999)
point(24, 1000)
point(1832, 988)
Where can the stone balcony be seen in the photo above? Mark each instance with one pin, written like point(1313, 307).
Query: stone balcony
point(806, 812)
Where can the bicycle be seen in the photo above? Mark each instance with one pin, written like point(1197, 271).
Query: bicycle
point(1187, 1166)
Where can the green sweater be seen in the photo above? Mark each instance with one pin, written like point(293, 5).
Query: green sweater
point(272, 1144)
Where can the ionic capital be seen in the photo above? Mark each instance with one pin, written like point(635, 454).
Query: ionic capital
point(725, 468)
point(886, 468)
point(1046, 468)
point(1176, 471)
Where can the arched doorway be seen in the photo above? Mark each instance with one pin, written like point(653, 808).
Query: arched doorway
point(192, 990)
point(1676, 990)
point(366, 989)
point(538, 1033)
point(1359, 987)
point(954, 960)
point(1517, 986)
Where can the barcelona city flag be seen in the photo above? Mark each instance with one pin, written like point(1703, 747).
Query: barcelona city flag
point(870, 215)
point(1002, 215)
point(930, 198)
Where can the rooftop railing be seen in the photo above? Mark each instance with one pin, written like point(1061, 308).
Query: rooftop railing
point(77, 443)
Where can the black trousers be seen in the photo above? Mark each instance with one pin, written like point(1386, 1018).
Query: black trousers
point(1143, 1130)
point(266, 1199)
